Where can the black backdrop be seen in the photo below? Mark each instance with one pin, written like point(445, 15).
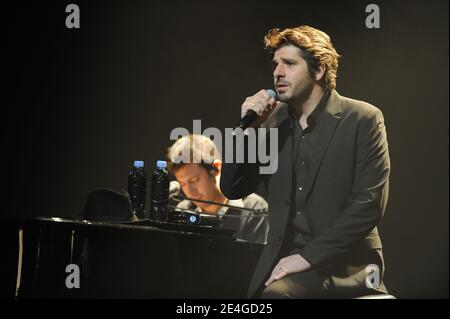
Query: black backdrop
point(81, 104)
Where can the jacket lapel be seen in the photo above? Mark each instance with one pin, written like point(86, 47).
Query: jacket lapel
point(281, 183)
point(323, 134)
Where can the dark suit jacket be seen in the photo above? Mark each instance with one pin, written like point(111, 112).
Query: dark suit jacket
point(347, 196)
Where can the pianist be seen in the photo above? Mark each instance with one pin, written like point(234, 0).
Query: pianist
point(199, 178)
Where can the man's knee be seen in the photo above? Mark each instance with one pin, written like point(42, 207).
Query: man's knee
point(297, 286)
point(276, 290)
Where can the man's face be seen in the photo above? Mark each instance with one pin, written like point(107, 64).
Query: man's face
point(291, 77)
point(196, 183)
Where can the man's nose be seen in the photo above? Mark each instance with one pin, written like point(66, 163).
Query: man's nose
point(191, 190)
point(278, 72)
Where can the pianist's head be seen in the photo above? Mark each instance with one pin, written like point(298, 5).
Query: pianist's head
point(195, 162)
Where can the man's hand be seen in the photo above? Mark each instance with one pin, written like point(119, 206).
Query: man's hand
point(262, 103)
point(288, 265)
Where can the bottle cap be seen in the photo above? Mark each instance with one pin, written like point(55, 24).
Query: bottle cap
point(138, 164)
point(161, 164)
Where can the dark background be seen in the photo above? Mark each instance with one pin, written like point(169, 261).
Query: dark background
point(82, 104)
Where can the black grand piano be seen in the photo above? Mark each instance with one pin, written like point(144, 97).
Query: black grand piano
point(122, 260)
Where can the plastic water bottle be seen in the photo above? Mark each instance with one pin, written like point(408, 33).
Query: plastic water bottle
point(159, 192)
point(137, 188)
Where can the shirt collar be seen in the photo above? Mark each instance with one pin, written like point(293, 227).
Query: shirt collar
point(314, 117)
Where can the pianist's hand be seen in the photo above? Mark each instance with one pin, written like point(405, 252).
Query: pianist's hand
point(288, 265)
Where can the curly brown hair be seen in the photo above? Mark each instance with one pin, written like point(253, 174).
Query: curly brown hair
point(315, 46)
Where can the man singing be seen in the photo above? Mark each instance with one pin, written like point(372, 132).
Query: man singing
point(331, 187)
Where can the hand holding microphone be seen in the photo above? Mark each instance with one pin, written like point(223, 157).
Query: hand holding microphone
point(256, 108)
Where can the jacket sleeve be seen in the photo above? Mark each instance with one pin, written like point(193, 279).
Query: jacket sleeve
point(239, 180)
point(368, 200)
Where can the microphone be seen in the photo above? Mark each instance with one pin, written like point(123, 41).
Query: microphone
point(251, 115)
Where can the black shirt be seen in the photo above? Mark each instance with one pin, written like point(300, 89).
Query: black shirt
point(304, 141)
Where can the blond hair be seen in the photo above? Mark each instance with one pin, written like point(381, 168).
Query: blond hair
point(315, 46)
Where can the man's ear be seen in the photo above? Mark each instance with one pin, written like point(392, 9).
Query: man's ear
point(218, 166)
point(320, 72)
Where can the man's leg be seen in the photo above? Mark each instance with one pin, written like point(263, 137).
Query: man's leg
point(308, 284)
point(354, 283)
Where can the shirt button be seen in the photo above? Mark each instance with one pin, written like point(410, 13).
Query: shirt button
point(303, 162)
point(300, 188)
point(299, 212)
